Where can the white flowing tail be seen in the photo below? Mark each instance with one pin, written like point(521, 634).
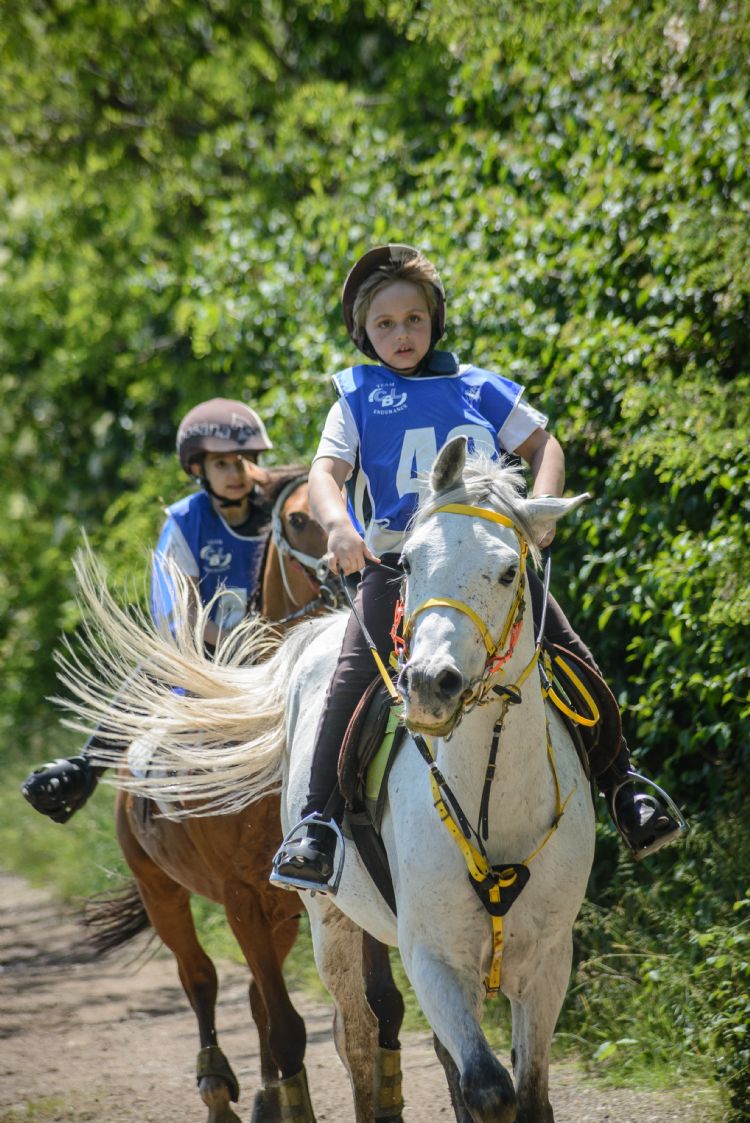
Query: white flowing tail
point(218, 724)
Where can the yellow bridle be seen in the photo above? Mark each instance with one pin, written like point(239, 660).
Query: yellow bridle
point(491, 882)
point(496, 653)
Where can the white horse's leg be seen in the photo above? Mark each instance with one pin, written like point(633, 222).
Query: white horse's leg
point(451, 998)
point(337, 941)
point(535, 1014)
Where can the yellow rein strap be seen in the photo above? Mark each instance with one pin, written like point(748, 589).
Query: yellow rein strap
point(550, 692)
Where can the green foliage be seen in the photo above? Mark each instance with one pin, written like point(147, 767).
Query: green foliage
point(662, 965)
point(183, 186)
point(78, 858)
point(725, 973)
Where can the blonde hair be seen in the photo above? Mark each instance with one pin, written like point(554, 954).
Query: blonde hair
point(411, 267)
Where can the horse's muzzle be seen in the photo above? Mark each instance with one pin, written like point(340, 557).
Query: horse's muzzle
point(432, 695)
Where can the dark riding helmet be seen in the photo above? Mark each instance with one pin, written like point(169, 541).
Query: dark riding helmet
point(375, 259)
point(219, 425)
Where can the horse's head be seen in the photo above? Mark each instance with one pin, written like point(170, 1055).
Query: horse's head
point(295, 525)
point(464, 603)
point(295, 576)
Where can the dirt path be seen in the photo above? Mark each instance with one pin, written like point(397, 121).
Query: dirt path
point(115, 1044)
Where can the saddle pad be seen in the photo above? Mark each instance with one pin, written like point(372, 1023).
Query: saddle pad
point(363, 738)
point(367, 753)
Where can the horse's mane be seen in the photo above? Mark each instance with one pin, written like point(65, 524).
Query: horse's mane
point(279, 477)
point(485, 482)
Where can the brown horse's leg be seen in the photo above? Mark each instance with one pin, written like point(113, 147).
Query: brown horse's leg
point(265, 947)
point(168, 908)
point(385, 1001)
point(383, 995)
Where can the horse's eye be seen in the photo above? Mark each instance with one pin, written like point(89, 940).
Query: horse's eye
point(297, 520)
point(405, 565)
point(509, 576)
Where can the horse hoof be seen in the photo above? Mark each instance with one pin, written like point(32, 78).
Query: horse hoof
point(215, 1095)
point(267, 1106)
point(488, 1091)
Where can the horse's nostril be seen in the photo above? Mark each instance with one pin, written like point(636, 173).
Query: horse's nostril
point(449, 683)
point(402, 682)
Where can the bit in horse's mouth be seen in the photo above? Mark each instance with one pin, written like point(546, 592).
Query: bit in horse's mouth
point(442, 729)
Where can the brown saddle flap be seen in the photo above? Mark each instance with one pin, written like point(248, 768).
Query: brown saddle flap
point(601, 741)
point(363, 738)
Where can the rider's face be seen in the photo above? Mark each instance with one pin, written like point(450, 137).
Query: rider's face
point(233, 475)
point(399, 326)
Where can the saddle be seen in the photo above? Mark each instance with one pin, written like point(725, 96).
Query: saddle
point(374, 737)
point(374, 731)
point(597, 744)
point(363, 738)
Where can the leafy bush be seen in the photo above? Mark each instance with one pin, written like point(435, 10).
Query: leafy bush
point(662, 964)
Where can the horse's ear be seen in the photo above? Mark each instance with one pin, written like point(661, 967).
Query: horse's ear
point(546, 510)
point(449, 465)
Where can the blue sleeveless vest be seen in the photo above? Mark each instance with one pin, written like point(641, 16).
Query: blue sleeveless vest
point(226, 561)
point(404, 422)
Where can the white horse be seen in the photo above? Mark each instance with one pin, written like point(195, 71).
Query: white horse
point(464, 615)
point(470, 675)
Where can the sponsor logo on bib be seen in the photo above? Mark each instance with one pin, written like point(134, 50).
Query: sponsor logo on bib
point(216, 557)
point(386, 400)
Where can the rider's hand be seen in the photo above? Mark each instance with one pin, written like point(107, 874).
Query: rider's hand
point(347, 551)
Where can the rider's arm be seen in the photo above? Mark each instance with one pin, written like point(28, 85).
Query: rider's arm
point(211, 631)
point(544, 455)
point(347, 550)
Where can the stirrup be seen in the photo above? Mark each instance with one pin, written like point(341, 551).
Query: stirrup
point(682, 827)
point(288, 881)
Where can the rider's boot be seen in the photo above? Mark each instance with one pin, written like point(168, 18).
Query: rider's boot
point(61, 788)
point(305, 859)
point(646, 821)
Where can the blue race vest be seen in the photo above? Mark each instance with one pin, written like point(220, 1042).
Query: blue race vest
point(226, 561)
point(404, 422)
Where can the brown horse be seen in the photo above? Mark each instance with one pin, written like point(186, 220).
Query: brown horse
point(227, 859)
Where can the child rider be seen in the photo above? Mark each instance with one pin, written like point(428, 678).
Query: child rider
point(215, 536)
point(392, 416)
